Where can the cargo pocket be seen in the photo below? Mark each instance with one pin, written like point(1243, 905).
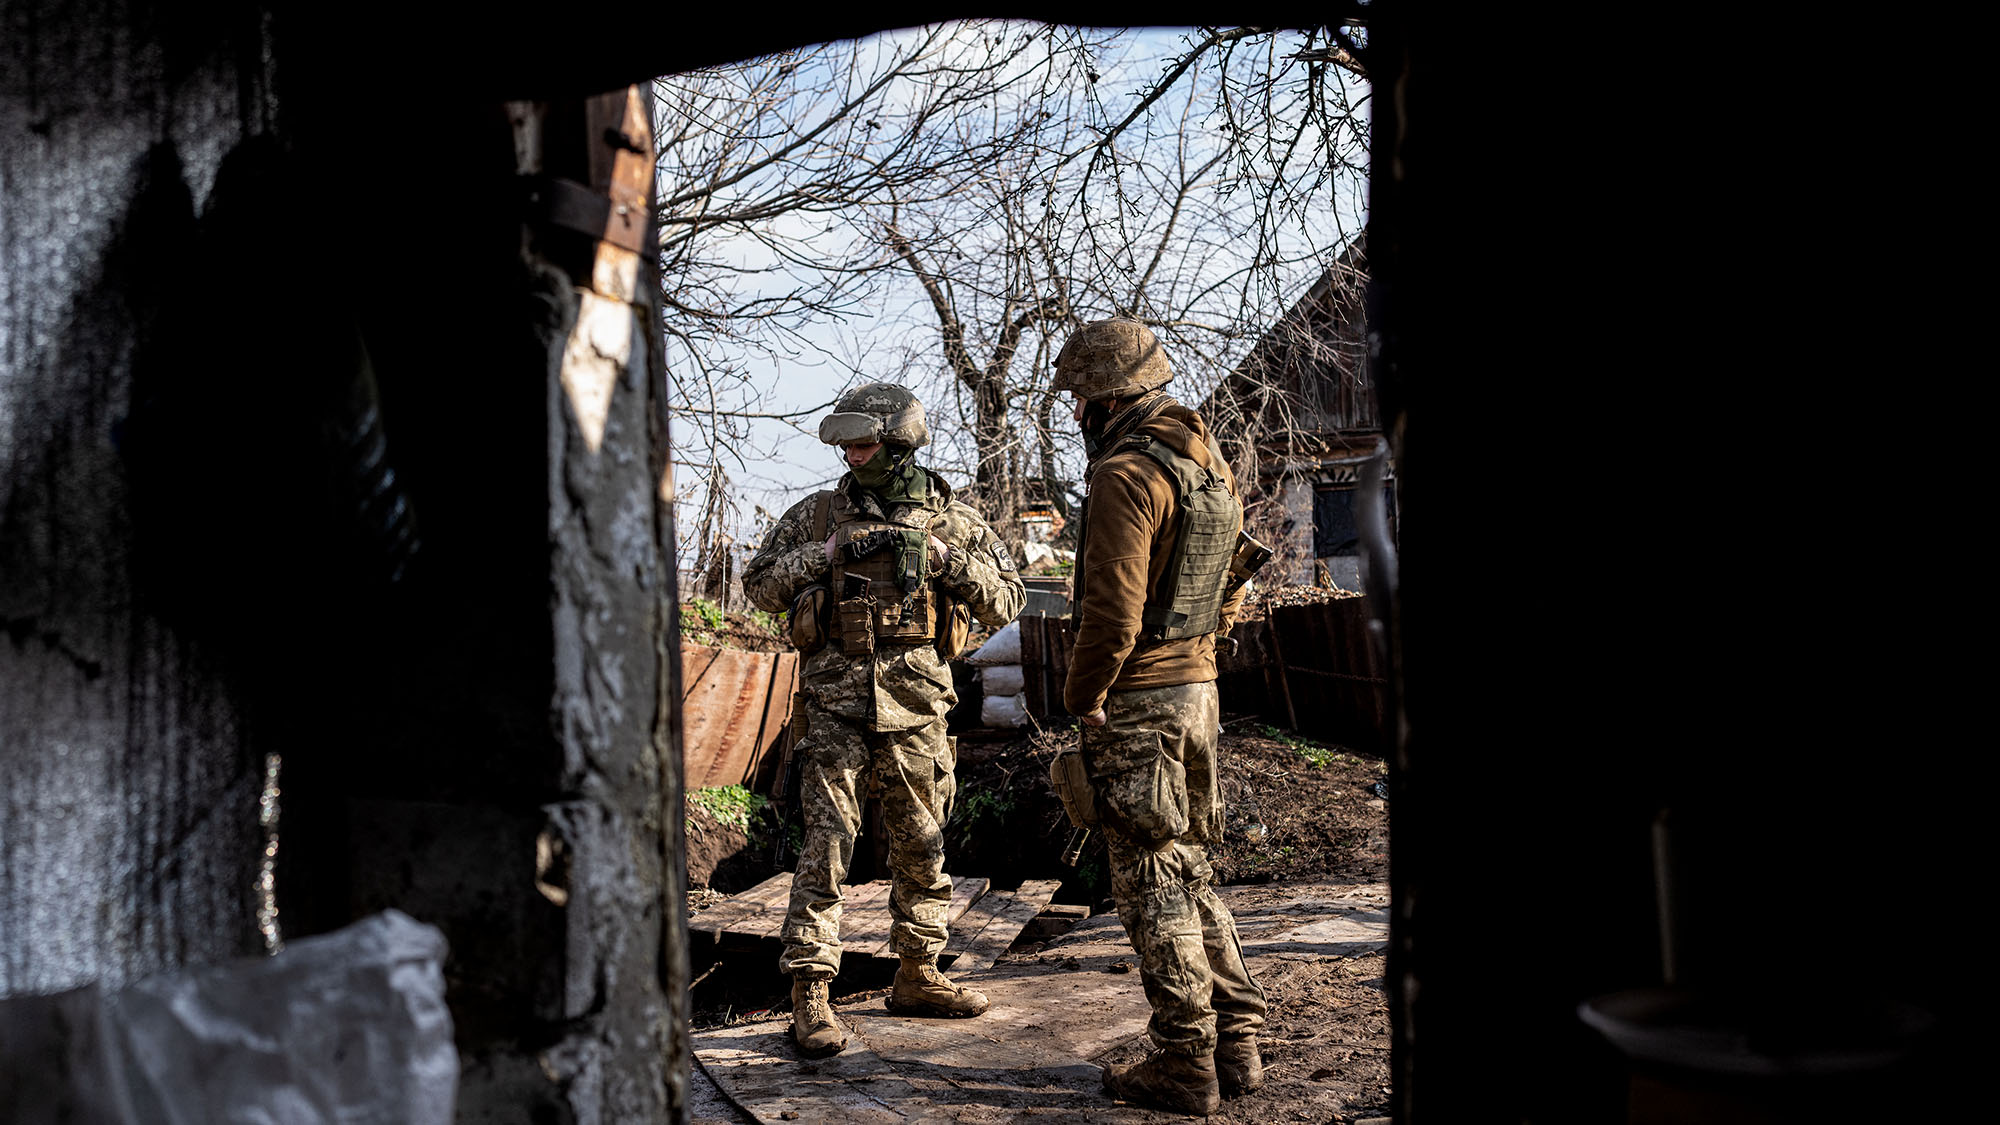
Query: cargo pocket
point(1140, 789)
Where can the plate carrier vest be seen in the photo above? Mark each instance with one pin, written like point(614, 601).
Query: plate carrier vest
point(884, 612)
point(1199, 565)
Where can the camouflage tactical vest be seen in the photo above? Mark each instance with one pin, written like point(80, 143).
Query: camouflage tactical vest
point(1199, 565)
point(869, 602)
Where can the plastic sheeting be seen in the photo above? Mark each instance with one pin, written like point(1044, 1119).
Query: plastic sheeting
point(346, 1027)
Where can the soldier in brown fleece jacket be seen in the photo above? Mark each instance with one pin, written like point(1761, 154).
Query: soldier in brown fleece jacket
point(1159, 525)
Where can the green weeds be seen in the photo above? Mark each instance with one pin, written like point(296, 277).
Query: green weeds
point(1315, 754)
point(731, 806)
point(982, 806)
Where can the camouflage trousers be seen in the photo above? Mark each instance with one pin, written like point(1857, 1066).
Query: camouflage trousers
point(841, 764)
point(1152, 765)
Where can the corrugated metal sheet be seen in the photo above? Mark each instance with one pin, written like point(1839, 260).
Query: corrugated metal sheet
point(1047, 596)
point(735, 713)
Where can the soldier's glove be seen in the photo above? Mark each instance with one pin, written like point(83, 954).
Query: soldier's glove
point(861, 546)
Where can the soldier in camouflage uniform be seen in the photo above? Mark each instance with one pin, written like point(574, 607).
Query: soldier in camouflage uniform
point(1159, 527)
point(881, 576)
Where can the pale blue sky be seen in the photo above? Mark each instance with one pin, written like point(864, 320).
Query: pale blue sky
point(781, 465)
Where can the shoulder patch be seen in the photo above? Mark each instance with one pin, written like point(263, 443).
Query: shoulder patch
point(1001, 557)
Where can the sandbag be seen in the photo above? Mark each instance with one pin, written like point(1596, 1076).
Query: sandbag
point(1001, 679)
point(1004, 711)
point(1003, 647)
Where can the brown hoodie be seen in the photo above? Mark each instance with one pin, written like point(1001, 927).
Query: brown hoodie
point(1130, 528)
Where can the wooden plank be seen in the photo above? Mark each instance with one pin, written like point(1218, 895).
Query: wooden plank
point(865, 917)
point(771, 728)
point(965, 890)
point(969, 926)
point(761, 909)
point(1061, 641)
point(1031, 664)
point(1009, 912)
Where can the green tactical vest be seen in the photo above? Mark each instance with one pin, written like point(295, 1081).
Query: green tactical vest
point(885, 612)
point(1199, 564)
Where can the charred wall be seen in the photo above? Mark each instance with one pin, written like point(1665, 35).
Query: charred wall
point(289, 466)
point(133, 760)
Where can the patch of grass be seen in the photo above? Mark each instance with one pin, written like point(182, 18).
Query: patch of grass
point(710, 614)
point(731, 806)
point(1315, 754)
point(701, 620)
point(1321, 755)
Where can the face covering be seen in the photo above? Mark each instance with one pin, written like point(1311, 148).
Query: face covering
point(1102, 429)
point(892, 474)
point(1096, 415)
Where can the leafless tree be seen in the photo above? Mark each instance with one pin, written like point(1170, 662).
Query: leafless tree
point(766, 166)
point(996, 184)
point(1202, 202)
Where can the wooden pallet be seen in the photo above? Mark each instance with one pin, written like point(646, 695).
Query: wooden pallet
point(983, 924)
point(984, 932)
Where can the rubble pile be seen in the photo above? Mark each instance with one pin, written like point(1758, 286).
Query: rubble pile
point(1260, 602)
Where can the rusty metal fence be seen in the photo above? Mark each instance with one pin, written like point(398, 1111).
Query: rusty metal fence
point(736, 713)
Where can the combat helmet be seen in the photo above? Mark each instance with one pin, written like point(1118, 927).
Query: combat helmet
point(1112, 359)
point(873, 412)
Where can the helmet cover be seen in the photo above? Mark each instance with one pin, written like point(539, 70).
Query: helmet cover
point(873, 412)
point(1112, 359)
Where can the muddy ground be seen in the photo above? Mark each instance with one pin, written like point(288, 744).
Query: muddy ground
point(1297, 811)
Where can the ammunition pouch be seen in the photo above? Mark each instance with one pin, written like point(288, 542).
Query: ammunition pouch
point(954, 629)
point(884, 591)
point(809, 619)
point(906, 620)
point(854, 620)
point(1071, 781)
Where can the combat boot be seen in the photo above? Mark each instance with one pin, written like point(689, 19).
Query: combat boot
point(1239, 1067)
point(815, 1028)
point(1182, 1083)
point(921, 990)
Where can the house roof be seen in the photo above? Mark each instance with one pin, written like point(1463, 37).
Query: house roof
point(1305, 386)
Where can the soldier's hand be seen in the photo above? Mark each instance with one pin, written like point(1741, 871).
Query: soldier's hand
point(1094, 719)
point(831, 551)
point(860, 548)
point(940, 554)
